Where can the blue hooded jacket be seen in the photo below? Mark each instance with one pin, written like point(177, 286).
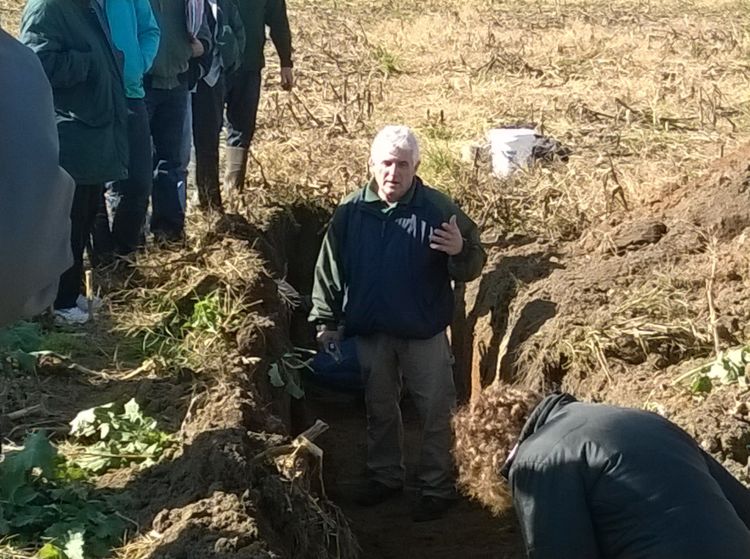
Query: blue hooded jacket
point(136, 33)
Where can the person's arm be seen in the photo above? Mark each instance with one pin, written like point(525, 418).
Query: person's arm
point(41, 30)
point(736, 493)
point(148, 32)
point(278, 23)
point(204, 31)
point(468, 264)
point(552, 508)
point(328, 287)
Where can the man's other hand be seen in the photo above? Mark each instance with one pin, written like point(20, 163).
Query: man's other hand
point(196, 48)
point(447, 238)
point(326, 336)
point(287, 79)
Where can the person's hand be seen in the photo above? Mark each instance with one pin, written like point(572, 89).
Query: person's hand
point(329, 341)
point(325, 336)
point(447, 238)
point(287, 79)
point(196, 48)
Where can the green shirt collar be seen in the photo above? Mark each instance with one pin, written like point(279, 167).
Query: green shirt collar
point(371, 196)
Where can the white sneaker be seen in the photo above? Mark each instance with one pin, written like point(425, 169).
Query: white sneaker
point(83, 304)
point(73, 315)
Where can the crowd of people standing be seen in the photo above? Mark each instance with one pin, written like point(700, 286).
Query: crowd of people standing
point(137, 86)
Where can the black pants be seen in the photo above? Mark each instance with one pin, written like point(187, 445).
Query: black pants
point(131, 195)
point(208, 108)
point(82, 214)
point(243, 96)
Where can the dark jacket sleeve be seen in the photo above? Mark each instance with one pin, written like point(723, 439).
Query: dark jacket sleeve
point(552, 508)
point(468, 264)
point(41, 31)
point(328, 287)
point(736, 493)
point(278, 23)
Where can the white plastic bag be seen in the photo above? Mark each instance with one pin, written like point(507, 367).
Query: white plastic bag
point(510, 148)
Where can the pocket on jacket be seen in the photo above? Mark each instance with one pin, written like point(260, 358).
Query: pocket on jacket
point(89, 102)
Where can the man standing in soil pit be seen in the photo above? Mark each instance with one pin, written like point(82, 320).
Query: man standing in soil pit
point(384, 276)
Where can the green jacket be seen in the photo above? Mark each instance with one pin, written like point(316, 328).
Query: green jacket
point(376, 272)
point(173, 57)
point(87, 83)
point(256, 14)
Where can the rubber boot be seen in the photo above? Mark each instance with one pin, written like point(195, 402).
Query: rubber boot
point(234, 175)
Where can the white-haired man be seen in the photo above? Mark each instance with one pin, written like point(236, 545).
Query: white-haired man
point(384, 276)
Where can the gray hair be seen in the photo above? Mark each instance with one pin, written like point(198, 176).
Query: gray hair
point(396, 136)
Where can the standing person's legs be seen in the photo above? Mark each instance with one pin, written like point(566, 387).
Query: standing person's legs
point(385, 433)
point(208, 107)
point(427, 366)
point(242, 98)
point(82, 215)
point(167, 112)
point(132, 194)
point(101, 245)
point(187, 141)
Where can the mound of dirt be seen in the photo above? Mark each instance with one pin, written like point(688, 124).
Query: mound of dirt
point(218, 495)
point(217, 498)
point(618, 314)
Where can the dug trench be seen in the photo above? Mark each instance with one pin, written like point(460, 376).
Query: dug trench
point(289, 242)
point(623, 314)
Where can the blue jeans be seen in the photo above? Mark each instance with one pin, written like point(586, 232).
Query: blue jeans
point(167, 111)
point(187, 139)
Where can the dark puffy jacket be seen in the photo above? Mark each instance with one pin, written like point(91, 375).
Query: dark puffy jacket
point(592, 481)
point(377, 273)
point(87, 83)
point(35, 193)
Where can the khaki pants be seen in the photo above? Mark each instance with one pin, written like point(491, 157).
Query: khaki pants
point(425, 366)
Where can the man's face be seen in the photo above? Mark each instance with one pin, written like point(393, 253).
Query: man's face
point(393, 171)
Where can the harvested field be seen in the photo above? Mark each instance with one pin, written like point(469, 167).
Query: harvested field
point(617, 275)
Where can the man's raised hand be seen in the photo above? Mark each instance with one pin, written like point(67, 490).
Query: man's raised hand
point(447, 238)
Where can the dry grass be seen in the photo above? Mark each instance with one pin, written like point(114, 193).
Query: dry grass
point(618, 322)
point(644, 93)
point(9, 551)
point(187, 305)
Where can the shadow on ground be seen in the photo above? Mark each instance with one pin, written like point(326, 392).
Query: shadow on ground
point(386, 531)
